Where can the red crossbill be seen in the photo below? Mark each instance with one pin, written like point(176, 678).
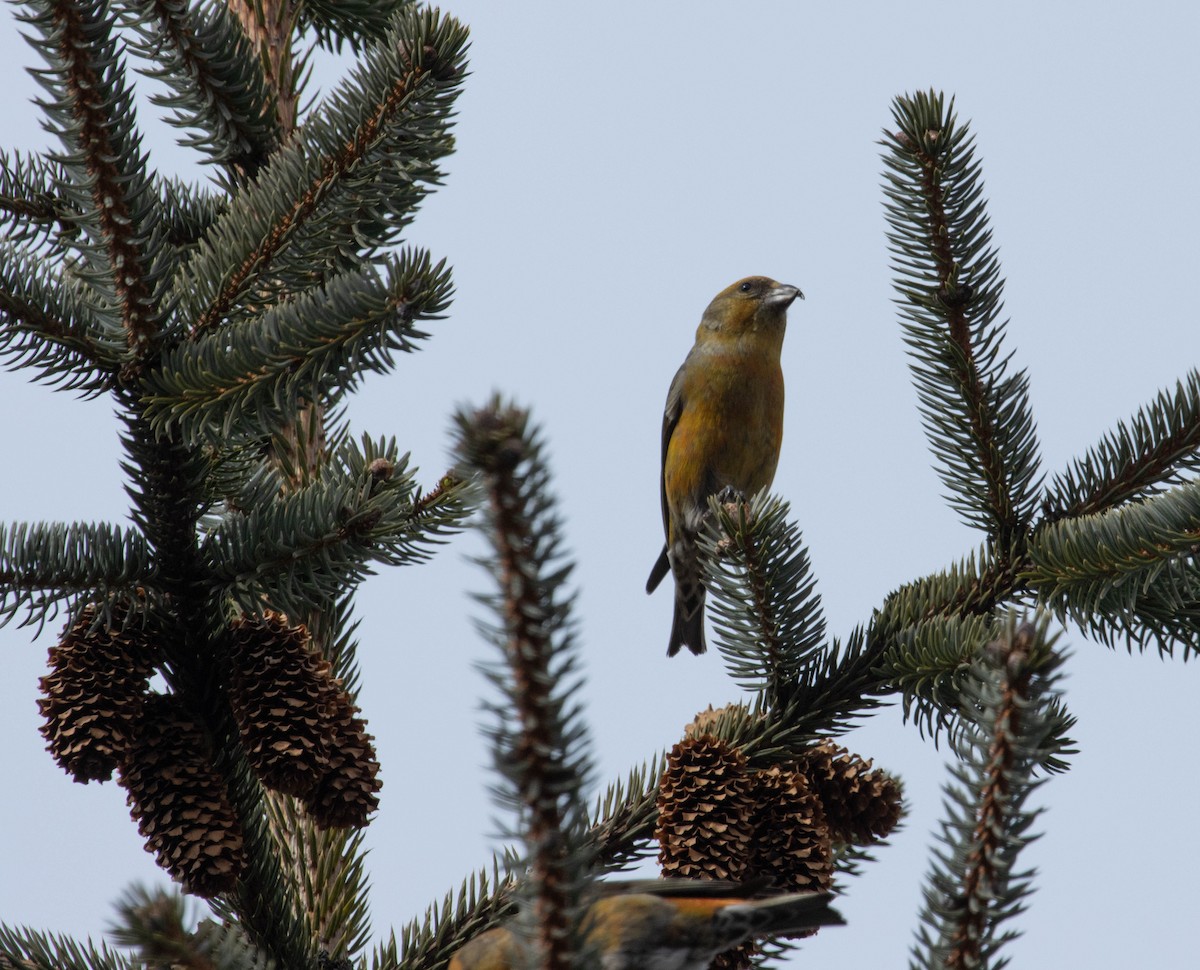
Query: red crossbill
point(722, 429)
point(642, 930)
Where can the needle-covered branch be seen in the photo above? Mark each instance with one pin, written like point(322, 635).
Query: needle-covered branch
point(164, 931)
point(328, 866)
point(235, 315)
point(1128, 572)
point(343, 186)
point(215, 80)
point(312, 543)
point(949, 291)
point(46, 326)
point(1154, 449)
point(484, 898)
point(253, 375)
point(354, 23)
point(23, 949)
point(107, 185)
point(930, 663)
point(1011, 710)
point(540, 742)
point(765, 608)
point(31, 211)
point(188, 212)
point(44, 565)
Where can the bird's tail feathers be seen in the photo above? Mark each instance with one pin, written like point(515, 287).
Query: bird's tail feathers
point(687, 628)
point(778, 915)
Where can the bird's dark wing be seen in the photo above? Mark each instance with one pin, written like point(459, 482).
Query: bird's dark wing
point(685, 888)
point(670, 419)
point(671, 413)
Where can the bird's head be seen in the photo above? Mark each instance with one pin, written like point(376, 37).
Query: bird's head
point(756, 303)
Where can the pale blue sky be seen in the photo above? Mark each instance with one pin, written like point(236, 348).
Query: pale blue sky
point(618, 164)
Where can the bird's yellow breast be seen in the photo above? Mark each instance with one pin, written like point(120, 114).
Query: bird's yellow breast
point(730, 424)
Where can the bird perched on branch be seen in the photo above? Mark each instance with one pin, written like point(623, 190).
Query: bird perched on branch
point(671, 924)
point(722, 429)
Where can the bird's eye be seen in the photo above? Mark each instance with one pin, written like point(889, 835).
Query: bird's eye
point(746, 287)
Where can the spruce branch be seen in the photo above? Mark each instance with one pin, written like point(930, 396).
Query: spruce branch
point(842, 687)
point(1165, 615)
point(265, 903)
point(26, 200)
point(1066, 562)
point(328, 867)
point(1135, 460)
point(271, 26)
point(44, 564)
point(45, 327)
point(765, 608)
point(483, 900)
point(188, 211)
point(623, 820)
point(310, 544)
point(255, 374)
point(108, 187)
point(22, 949)
point(977, 416)
point(930, 664)
point(31, 210)
point(974, 586)
point(216, 82)
point(541, 747)
point(166, 485)
point(355, 23)
point(974, 887)
point(1131, 569)
point(933, 664)
point(162, 928)
point(347, 181)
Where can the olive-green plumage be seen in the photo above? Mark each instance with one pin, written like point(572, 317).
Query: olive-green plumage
point(722, 428)
point(672, 927)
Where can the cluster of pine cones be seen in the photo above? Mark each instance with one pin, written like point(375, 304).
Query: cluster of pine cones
point(721, 818)
point(300, 732)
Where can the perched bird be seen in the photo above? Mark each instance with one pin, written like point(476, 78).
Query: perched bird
point(722, 429)
point(677, 928)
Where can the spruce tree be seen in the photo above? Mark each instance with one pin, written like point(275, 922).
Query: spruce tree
point(227, 321)
point(207, 654)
